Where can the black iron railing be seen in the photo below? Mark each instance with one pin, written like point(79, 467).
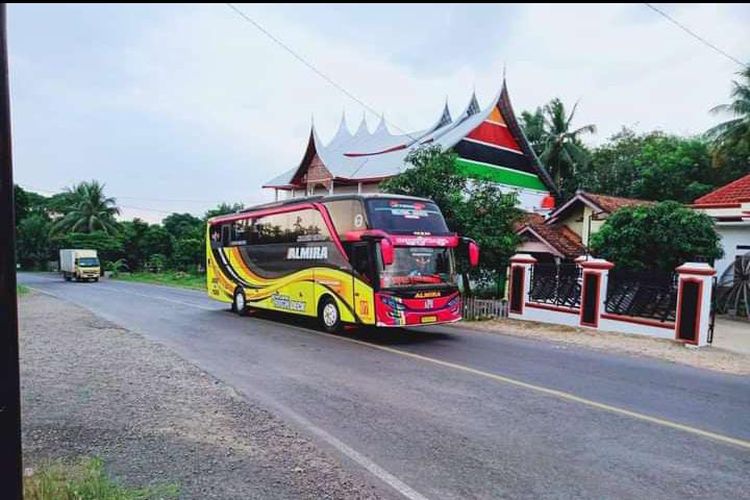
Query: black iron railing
point(646, 294)
point(556, 285)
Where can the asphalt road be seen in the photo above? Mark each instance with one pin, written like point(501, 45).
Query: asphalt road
point(444, 413)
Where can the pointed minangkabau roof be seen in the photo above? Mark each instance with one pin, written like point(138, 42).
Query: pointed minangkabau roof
point(445, 117)
point(342, 134)
point(380, 154)
point(510, 117)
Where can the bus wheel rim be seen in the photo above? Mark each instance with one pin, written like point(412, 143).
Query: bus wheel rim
point(240, 300)
point(330, 315)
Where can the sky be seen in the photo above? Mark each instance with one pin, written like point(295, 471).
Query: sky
point(177, 108)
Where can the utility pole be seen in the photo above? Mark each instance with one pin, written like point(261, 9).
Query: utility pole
point(10, 392)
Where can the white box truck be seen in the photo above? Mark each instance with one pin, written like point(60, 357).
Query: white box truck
point(79, 264)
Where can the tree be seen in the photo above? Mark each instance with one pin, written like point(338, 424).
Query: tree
point(183, 225)
point(488, 216)
point(156, 240)
point(534, 129)
point(189, 254)
point(107, 247)
point(224, 209)
point(27, 203)
point(652, 166)
point(432, 175)
point(477, 209)
point(558, 146)
point(89, 210)
point(730, 140)
point(131, 237)
point(656, 237)
point(32, 244)
point(734, 133)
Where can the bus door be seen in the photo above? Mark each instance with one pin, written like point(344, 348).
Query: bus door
point(364, 279)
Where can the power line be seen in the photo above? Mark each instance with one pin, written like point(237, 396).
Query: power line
point(695, 35)
point(314, 69)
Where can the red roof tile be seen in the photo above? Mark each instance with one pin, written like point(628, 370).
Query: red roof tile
point(734, 192)
point(613, 203)
point(560, 237)
point(528, 218)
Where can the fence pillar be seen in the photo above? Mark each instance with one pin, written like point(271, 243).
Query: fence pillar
point(520, 283)
point(694, 291)
point(594, 278)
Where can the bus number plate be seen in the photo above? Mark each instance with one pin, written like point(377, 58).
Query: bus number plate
point(428, 319)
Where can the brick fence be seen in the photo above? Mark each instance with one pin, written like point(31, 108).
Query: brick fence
point(676, 307)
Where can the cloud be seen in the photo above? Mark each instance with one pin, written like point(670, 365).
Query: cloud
point(192, 102)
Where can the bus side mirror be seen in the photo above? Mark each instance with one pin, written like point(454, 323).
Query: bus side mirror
point(386, 250)
point(473, 254)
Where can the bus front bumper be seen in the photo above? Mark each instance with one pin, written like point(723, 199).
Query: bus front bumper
point(394, 312)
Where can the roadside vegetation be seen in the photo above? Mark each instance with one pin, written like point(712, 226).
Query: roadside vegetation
point(175, 278)
point(650, 166)
point(22, 290)
point(85, 479)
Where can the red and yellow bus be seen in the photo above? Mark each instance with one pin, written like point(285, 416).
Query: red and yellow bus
point(382, 260)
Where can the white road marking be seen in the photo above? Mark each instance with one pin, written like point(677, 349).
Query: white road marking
point(500, 378)
point(347, 450)
point(545, 390)
point(379, 472)
point(158, 297)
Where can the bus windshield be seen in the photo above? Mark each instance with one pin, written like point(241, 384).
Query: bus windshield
point(399, 216)
point(419, 266)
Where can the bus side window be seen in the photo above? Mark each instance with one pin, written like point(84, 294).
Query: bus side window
point(225, 235)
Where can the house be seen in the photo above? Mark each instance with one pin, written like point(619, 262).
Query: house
point(565, 233)
point(729, 206)
point(489, 142)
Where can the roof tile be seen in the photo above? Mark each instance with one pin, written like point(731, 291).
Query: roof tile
point(735, 192)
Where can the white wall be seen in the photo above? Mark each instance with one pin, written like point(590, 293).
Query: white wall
point(732, 235)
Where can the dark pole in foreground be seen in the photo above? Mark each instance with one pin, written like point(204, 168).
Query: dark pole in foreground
point(10, 396)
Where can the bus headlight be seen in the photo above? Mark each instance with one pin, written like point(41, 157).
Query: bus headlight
point(453, 303)
point(392, 303)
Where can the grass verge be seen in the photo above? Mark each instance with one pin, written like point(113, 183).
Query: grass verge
point(22, 290)
point(178, 279)
point(85, 479)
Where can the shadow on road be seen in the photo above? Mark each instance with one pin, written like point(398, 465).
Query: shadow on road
point(379, 336)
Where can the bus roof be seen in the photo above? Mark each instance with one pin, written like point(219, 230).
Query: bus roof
point(320, 199)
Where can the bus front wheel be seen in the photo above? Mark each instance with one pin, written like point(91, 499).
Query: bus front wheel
point(239, 304)
point(328, 315)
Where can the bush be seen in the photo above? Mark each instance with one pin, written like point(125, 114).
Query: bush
point(660, 236)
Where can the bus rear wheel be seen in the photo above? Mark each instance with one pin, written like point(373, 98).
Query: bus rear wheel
point(328, 315)
point(239, 304)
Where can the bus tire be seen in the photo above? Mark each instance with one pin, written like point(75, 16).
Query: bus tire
point(328, 315)
point(239, 302)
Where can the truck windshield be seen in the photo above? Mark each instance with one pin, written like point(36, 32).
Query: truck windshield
point(399, 216)
point(419, 266)
point(88, 262)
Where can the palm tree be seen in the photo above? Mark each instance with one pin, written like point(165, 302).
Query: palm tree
point(533, 128)
point(89, 210)
point(734, 133)
point(561, 148)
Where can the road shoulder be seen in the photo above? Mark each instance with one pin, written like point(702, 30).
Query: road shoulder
point(91, 388)
point(710, 358)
